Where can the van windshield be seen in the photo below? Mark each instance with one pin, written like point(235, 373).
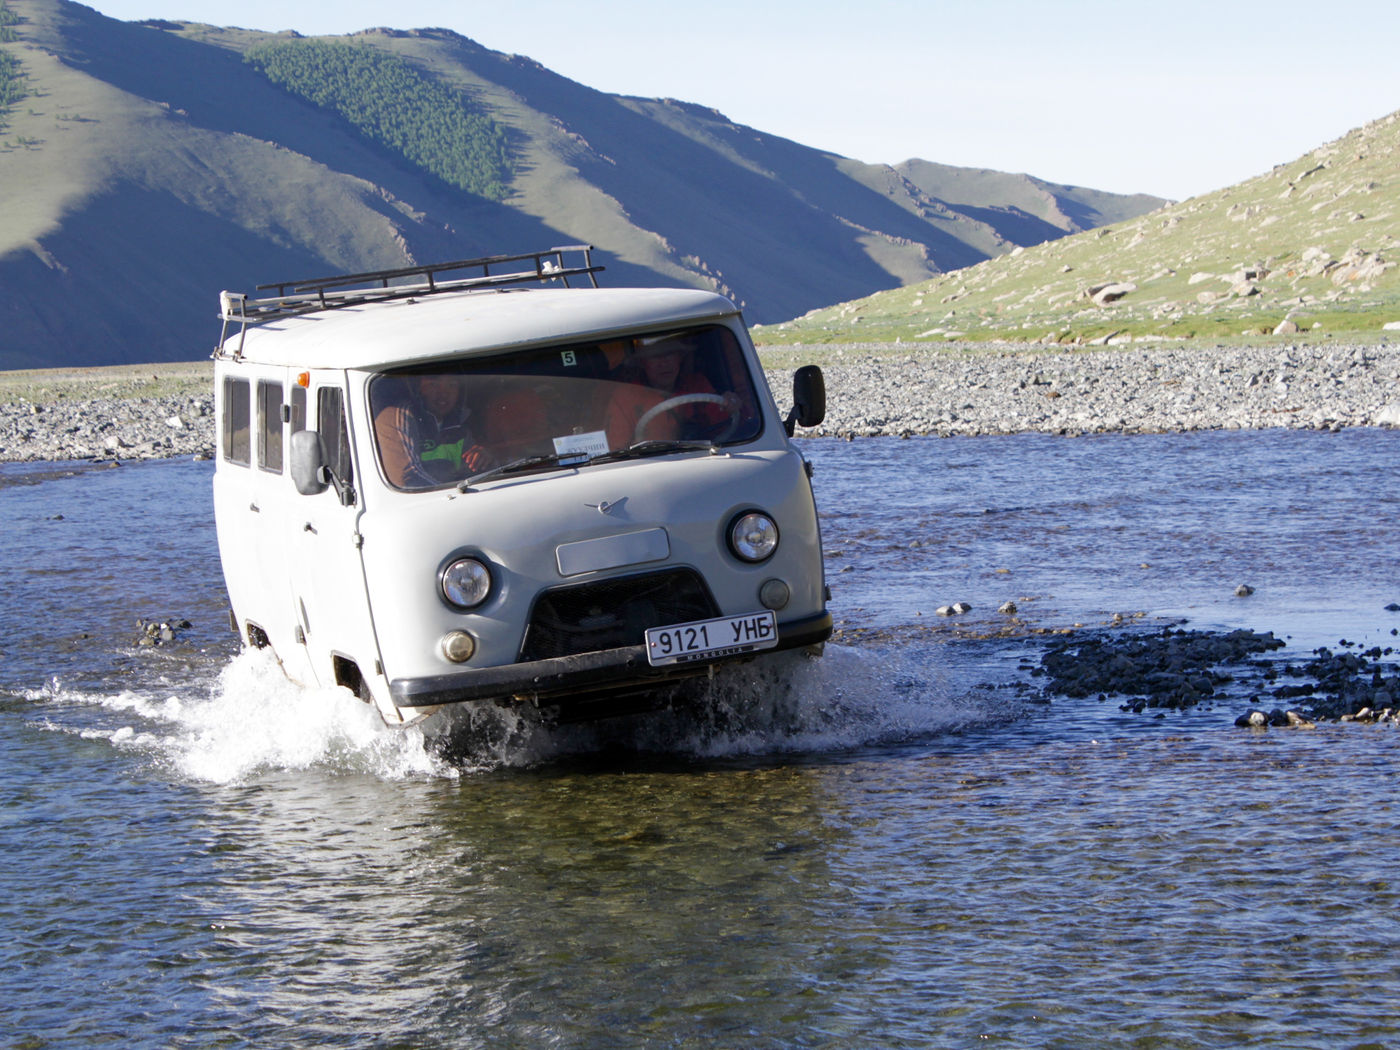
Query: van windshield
point(439, 424)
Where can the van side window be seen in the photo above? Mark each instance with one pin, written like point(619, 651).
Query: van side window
point(237, 409)
point(330, 421)
point(270, 425)
point(298, 400)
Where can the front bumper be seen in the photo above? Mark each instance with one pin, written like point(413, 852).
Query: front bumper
point(622, 669)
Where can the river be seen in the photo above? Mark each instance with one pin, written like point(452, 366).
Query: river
point(907, 843)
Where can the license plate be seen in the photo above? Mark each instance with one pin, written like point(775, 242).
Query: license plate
point(707, 639)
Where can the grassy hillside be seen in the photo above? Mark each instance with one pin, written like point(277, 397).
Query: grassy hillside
point(152, 164)
point(1309, 247)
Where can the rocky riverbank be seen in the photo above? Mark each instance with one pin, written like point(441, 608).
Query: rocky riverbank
point(122, 412)
point(143, 428)
point(878, 390)
point(872, 390)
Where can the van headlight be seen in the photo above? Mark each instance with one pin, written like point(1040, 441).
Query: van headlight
point(465, 583)
point(753, 536)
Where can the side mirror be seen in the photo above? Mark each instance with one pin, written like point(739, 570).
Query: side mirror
point(808, 398)
point(308, 462)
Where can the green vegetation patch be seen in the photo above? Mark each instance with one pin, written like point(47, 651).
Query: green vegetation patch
point(12, 80)
point(8, 20)
point(12, 86)
point(388, 101)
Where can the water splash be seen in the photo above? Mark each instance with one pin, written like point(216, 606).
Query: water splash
point(788, 704)
point(249, 720)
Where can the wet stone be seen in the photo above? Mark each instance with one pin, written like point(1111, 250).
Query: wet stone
point(160, 632)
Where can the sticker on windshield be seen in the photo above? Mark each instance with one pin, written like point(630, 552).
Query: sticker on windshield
point(593, 443)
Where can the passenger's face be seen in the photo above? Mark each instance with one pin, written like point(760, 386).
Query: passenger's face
point(439, 393)
point(662, 370)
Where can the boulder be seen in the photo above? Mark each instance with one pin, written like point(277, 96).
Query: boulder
point(1358, 266)
point(1103, 294)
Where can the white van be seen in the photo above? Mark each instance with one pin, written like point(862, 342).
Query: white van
point(501, 486)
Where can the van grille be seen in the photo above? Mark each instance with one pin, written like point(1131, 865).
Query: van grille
point(613, 613)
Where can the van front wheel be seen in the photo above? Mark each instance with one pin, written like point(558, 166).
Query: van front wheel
point(347, 674)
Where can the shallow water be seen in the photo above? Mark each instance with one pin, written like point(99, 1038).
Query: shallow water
point(893, 846)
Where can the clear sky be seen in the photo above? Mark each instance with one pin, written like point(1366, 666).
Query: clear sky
point(1171, 98)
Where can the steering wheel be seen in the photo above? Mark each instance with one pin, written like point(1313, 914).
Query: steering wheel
point(680, 400)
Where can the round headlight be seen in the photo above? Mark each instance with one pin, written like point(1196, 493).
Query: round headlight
point(466, 583)
point(753, 536)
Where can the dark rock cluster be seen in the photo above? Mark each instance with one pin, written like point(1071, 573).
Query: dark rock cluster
point(1177, 669)
point(1342, 686)
point(1170, 669)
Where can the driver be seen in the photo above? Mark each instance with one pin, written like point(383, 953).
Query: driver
point(660, 372)
point(422, 431)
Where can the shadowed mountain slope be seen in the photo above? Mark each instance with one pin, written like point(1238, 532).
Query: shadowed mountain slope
point(146, 166)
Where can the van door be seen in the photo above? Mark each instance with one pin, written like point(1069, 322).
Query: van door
point(266, 512)
point(233, 493)
point(327, 574)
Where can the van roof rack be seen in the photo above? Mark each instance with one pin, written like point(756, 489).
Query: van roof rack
point(354, 289)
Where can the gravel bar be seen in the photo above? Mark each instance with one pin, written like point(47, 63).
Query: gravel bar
point(890, 390)
point(876, 390)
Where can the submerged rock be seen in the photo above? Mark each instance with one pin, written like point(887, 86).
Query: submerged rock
point(160, 632)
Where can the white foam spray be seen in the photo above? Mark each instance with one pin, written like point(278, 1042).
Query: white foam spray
point(250, 720)
point(788, 704)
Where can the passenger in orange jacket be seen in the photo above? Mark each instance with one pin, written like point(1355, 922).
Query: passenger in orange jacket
point(662, 377)
point(514, 425)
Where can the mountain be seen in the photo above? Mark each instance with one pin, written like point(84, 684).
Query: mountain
point(145, 166)
point(1310, 247)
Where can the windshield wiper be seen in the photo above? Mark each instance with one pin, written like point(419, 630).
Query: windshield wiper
point(559, 460)
point(526, 464)
point(654, 447)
